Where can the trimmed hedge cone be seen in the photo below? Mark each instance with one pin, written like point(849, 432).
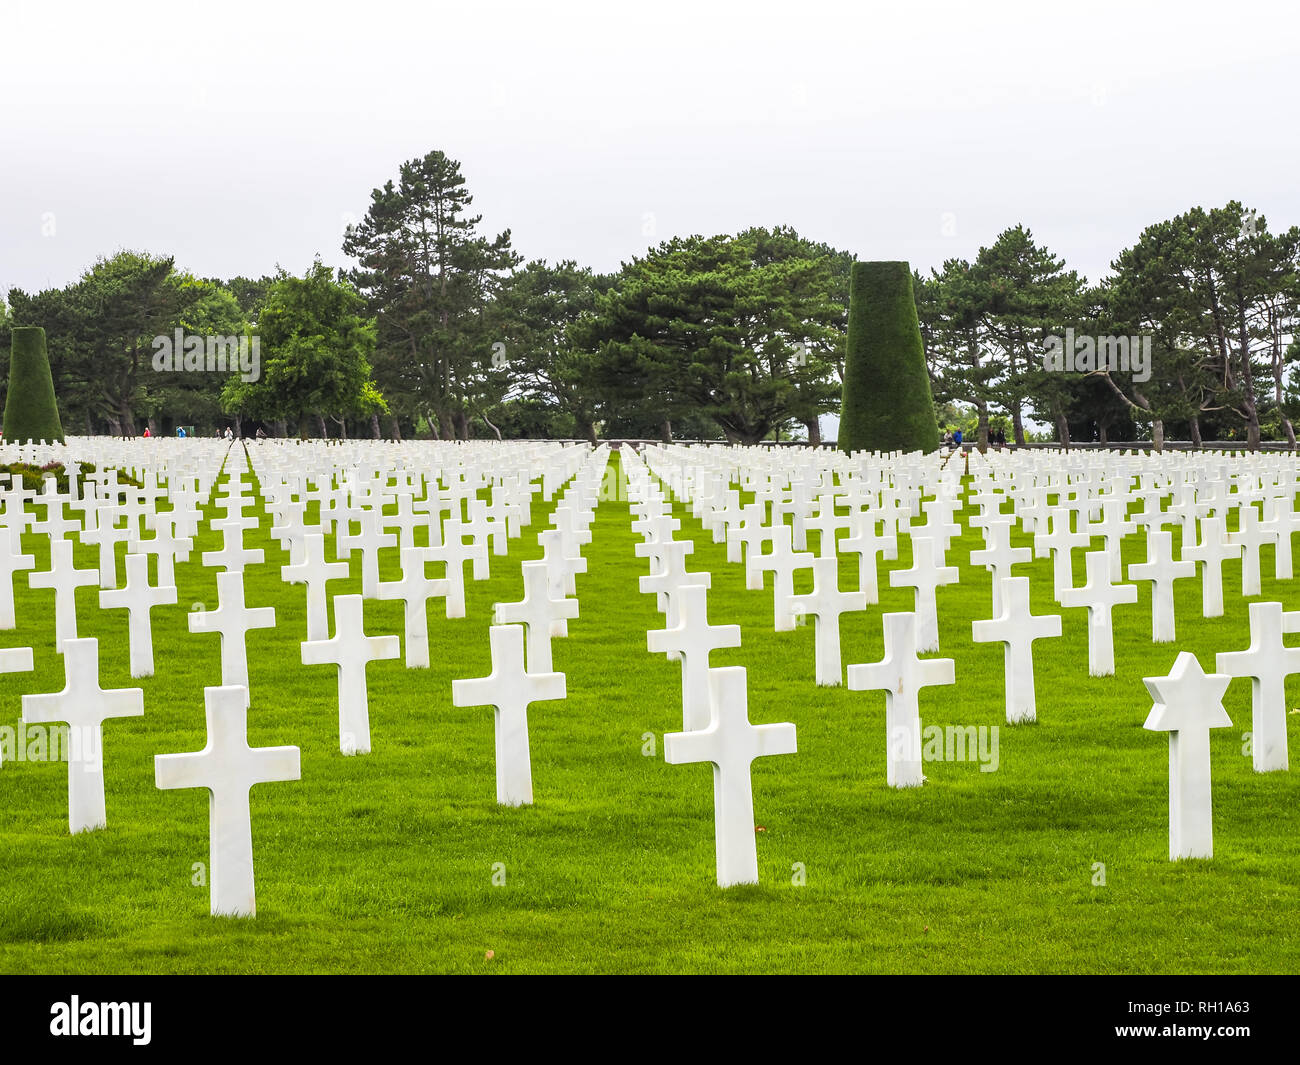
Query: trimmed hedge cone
point(887, 404)
point(31, 412)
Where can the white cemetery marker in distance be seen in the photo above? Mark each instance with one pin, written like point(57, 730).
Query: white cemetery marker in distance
point(1161, 570)
point(138, 597)
point(1267, 662)
point(233, 556)
point(693, 639)
point(371, 539)
point(65, 579)
point(998, 556)
point(1250, 536)
point(731, 743)
point(826, 603)
point(867, 545)
point(538, 613)
point(415, 589)
point(927, 573)
point(1100, 597)
point(350, 649)
point(85, 706)
point(315, 572)
point(232, 619)
point(783, 561)
point(1211, 553)
point(228, 768)
point(1017, 629)
point(1188, 703)
point(12, 560)
point(902, 675)
point(509, 690)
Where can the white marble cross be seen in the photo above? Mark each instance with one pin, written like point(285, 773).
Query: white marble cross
point(1017, 629)
point(12, 560)
point(1188, 703)
point(1211, 553)
point(926, 574)
point(693, 639)
point(232, 619)
point(509, 689)
point(138, 597)
point(107, 534)
point(864, 542)
point(731, 743)
point(902, 675)
point(1060, 542)
point(228, 768)
point(415, 589)
point(1100, 597)
point(998, 556)
point(65, 579)
point(315, 573)
point(350, 649)
point(539, 613)
point(85, 706)
point(826, 603)
point(1161, 570)
point(166, 545)
point(233, 556)
point(783, 561)
point(371, 540)
point(1251, 534)
point(1267, 662)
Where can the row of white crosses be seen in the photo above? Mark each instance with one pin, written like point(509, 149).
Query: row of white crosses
point(227, 767)
point(520, 640)
point(715, 705)
point(1100, 510)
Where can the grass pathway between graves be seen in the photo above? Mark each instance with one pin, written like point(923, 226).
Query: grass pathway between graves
point(385, 863)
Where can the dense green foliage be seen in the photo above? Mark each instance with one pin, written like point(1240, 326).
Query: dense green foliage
point(887, 401)
point(31, 412)
point(738, 337)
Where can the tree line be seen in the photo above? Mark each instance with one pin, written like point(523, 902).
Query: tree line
point(441, 329)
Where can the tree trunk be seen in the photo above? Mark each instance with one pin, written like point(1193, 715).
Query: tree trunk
point(666, 431)
point(1252, 431)
point(1017, 426)
point(1103, 432)
point(127, 419)
point(114, 426)
point(982, 429)
point(587, 427)
point(320, 424)
point(446, 428)
point(374, 426)
point(1194, 429)
point(394, 427)
point(814, 427)
point(280, 427)
point(1062, 430)
point(1157, 435)
point(1289, 430)
point(464, 430)
point(239, 426)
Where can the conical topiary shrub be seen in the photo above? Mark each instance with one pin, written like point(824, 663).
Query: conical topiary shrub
point(31, 412)
point(887, 402)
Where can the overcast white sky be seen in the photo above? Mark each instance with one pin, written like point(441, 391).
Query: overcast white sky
point(236, 136)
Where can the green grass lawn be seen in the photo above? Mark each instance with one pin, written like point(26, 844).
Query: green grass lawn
point(385, 862)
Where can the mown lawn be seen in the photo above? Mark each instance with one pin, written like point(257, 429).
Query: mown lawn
point(385, 862)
